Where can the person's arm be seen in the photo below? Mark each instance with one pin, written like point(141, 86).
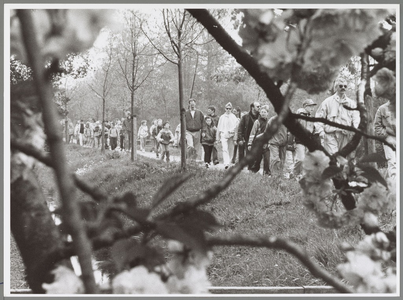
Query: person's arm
point(379, 129)
point(218, 129)
point(253, 133)
point(241, 126)
point(320, 113)
point(158, 137)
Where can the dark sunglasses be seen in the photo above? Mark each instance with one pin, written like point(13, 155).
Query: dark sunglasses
point(343, 86)
point(227, 108)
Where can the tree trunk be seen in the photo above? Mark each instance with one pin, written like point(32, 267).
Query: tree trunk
point(133, 134)
point(369, 144)
point(181, 109)
point(33, 229)
point(103, 127)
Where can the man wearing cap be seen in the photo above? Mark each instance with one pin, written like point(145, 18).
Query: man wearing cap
point(300, 149)
point(333, 108)
point(194, 122)
point(225, 133)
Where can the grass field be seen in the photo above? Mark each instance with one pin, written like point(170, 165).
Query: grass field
point(253, 204)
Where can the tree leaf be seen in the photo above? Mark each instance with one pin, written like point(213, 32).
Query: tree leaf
point(200, 219)
point(372, 174)
point(373, 157)
point(330, 172)
point(124, 251)
point(188, 235)
point(168, 188)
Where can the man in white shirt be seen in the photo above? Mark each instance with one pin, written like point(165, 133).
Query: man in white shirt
point(225, 133)
point(332, 108)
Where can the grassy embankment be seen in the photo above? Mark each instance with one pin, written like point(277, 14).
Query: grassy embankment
point(253, 204)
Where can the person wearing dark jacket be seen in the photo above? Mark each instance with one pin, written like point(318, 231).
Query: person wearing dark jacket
point(211, 113)
point(259, 126)
point(244, 129)
point(194, 124)
point(208, 139)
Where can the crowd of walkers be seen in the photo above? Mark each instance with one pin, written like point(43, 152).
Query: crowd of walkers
point(237, 130)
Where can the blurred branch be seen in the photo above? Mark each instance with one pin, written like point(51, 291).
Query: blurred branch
point(358, 130)
point(65, 181)
point(41, 156)
point(282, 244)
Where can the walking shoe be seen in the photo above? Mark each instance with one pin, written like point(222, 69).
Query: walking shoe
point(207, 165)
point(216, 162)
point(226, 167)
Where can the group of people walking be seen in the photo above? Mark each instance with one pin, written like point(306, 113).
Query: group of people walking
point(117, 133)
point(283, 154)
point(237, 131)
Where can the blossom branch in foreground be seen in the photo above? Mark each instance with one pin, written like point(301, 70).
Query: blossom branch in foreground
point(30, 150)
point(278, 243)
point(262, 79)
point(341, 126)
point(65, 181)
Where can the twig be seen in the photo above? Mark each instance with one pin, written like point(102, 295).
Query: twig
point(341, 126)
point(278, 243)
point(65, 181)
point(44, 158)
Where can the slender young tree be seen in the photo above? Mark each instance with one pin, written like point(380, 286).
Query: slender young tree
point(102, 91)
point(136, 64)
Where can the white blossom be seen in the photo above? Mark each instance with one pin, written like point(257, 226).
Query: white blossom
point(65, 282)
point(138, 281)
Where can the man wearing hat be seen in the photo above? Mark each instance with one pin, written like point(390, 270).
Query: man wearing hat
point(333, 108)
point(300, 149)
point(225, 133)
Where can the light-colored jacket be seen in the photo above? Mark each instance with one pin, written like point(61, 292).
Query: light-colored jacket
point(332, 109)
point(226, 126)
point(143, 131)
point(385, 121)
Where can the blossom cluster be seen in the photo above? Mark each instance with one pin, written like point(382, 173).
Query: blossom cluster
point(364, 269)
point(185, 273)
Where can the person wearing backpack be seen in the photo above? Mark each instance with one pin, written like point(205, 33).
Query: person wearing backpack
point(259, 126)
point(165, 137)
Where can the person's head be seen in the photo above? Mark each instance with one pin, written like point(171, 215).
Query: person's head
point(228, 108)
point(192, 103)
point(159, 122)
point(255, 107)
point(209, 120)
point(144, 122)
point(165, 125)
point(340, 85)
point(309, 105)
point(87, 124)
point(211, 110)
point(264, 111)
point(237, 111)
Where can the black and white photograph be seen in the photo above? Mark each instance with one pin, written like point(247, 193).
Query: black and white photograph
point(201, 149)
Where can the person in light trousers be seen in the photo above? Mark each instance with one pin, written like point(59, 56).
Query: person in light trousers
point(227, 125)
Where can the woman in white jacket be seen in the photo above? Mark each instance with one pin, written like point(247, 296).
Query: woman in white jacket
point(225, 133)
